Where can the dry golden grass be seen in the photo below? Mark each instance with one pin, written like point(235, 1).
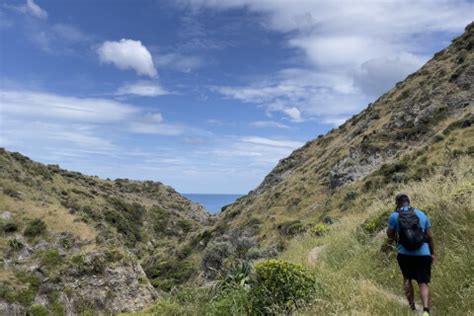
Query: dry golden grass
point(357, 278)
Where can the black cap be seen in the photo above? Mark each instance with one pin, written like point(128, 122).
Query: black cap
point(400, 198)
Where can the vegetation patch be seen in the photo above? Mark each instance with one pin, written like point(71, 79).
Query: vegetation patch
point(281, 286)
point(319, 229)
point(291, 228)
point(166, 273)
point(35, 228)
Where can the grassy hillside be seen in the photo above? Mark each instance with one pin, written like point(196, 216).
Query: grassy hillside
point(75, 243)
point(354, 267)
point(323, 210)
point(400, 137)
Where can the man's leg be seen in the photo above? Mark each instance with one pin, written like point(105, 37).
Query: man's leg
point(409, 292)
point(425, 294)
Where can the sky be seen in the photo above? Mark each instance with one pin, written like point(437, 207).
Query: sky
point(203, 95)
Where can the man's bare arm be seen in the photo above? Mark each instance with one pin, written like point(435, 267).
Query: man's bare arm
point(429, 234)
point(391, 234)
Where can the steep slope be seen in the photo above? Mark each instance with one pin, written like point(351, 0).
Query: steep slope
point(326, 207)
point(400, 137)
point(75, 243)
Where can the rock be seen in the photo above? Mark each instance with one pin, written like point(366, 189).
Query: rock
point(12, 309)
point(6, 215)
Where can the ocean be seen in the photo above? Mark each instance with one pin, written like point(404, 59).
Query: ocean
point(212, 202)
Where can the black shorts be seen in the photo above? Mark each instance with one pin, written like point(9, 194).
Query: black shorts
point(415, 267)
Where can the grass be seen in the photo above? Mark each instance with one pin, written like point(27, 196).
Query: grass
point(360, 276)
point(356, 271)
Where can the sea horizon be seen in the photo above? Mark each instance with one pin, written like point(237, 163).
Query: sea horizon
point(212, 202)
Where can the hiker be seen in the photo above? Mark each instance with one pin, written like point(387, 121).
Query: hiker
point(411, 228)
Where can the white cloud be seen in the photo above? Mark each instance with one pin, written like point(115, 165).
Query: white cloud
point(33, 9)
point(25, 103)
point(156, 128)
point(301, 95)
point(271, 142)
point(378, 75)
point(154, 117)
point(142, 88)
point(128, 54)
point(263, 124)
point(293, 113)
point(353, 50)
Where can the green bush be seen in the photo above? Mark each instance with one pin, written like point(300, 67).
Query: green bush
point(291, 228)
point(281, 286)
point(126, 218)
point(375, 223)
point(319, 229)
point(38, 310)
point(50, 258)
point(35, 228)
point(166, 273)
point(15, 244)
point(27, 295)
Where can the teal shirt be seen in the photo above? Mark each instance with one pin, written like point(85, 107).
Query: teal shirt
point(424, 223)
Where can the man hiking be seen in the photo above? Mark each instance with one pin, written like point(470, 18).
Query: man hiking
point(411, 228)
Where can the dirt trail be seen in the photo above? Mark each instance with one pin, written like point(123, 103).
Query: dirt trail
point(401, 299)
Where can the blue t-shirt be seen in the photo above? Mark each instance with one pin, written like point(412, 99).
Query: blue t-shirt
point(424, 223)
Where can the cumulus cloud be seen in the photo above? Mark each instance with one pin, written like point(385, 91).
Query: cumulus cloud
point(128, 54)
point(142, 88)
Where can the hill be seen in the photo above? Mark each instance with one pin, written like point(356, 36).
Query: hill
point(401, 137)
point(76, 244)
point(325, 208)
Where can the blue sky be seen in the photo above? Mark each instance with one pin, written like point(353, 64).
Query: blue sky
point(202, 95)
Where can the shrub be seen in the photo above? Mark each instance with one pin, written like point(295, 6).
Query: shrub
point(281, 285)
point(35, 228)
point(350, 196)
point(28, 294)
point(291, 228)
point(214, 256)
point(126, 218)
point(15, 244)
point(376, 223)
point(38, 310)
point(9, 227)
point(319, 229)
point(239, 274)
point(50, 257)
point(166, 273)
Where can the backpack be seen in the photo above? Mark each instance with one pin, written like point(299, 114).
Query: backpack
point(410, 233)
